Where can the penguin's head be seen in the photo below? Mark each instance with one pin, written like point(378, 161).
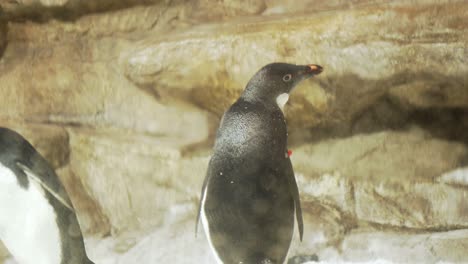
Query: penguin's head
point(276, 80)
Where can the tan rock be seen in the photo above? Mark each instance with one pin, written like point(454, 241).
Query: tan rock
point(79, 89)
point(3, 33)
point(215, 62)
point(312, 6)
point(325, 226)
point(428, 93)
point(129, 21)
point(90, 214)
point(382, 156)
point(195, 63)
point(403, 247)
point(4, 254)
point(219, 9)
point(54, 2)
point(44, 11)
point(43, 2)
point(135, 178)
point(125, 87)
point(386, 178)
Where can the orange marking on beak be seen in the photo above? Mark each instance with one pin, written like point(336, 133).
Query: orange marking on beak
point(315, 68)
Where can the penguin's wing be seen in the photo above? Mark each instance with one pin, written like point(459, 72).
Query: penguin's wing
point(24, 158)
point(297, 202)
point(202, 196)
point(50, 183)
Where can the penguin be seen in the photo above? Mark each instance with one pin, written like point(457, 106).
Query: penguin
point(249, 195)
point(38, 224)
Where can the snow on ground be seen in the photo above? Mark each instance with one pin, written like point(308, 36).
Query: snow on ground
point(456, 177)
point(165, 246)
point(174, 241)
point(160, 246)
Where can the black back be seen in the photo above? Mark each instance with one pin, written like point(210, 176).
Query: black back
point(17, 153)
point(250, 198)
point(250, 192)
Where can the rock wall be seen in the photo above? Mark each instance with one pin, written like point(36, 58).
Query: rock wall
point(124, 98)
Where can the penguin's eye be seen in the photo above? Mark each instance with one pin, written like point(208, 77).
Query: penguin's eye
point(287, 77)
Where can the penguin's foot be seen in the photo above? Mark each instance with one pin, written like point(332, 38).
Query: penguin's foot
point(303, 259)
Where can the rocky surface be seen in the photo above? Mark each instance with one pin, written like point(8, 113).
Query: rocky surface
point(3, 32)
point(124, 98)
point(3, 253)
point(406, 247)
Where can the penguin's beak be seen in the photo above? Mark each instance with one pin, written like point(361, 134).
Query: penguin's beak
point(314, 69)
point(308, 71)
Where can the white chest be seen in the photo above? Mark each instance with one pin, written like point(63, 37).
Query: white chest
point(281, 100)
point(27, 222)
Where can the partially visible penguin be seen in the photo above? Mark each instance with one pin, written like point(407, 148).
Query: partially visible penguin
point(37, 222)
point(250, 194)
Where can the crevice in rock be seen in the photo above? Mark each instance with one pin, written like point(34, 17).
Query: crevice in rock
point(66, 160)
point(446, 123)
point(156, 21)
point(397, 208)
point(361, 105)
point(348, 220)
point(410, 230)
point(70, 11)
point(3, 33)
point(47, 120)
point(351, 196)
point(431, 101)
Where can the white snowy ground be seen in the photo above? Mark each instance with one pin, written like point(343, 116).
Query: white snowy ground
point(166, 246)
point(175, 242)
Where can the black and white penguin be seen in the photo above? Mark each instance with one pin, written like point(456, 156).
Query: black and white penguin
point(250, 194)
point(37, 222)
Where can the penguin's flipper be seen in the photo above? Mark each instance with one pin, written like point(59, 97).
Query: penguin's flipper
point(297, 201)
point(202, 196)
point(57, 194)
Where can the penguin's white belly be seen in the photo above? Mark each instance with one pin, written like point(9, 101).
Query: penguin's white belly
point(27, 222)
